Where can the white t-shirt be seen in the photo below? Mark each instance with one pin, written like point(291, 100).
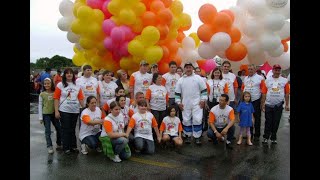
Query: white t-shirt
point(275, 90)
point(157, 96)
point(143, 124)
point(88, 130)
point(117, 124)
point(68, 97)
point(170, 83)
point(171, 125)
point(230, 78)
point(89, 86)
point(141, 82)
point(252, 84)
point(222, 116)
point(217, 87)
point(107, 91)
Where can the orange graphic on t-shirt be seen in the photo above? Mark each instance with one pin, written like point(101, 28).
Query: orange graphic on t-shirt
point(145, 83)
point(89, 88)
point(171, 126)
point(141, 125)
point(275, 89)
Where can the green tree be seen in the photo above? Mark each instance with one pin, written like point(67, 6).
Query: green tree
point(55, 62)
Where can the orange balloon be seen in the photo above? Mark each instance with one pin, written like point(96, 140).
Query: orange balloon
point(164, 30)
point(287, 39)
point(166, 52)
point(201, 62)
point(163, 67)
point(236, 51)
point(230, 13)
point(244, 67)
point(181, 36)
point(147, 3)
point(176, 58)
point(167, 3)
point(235, 34)
point(171, 44)
point(165, 16)
point(205, 32)
point(148, 18)
point(285, 46)
point(222, 22)
point(207, 12)
point(156, 6)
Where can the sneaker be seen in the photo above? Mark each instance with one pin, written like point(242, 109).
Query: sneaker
point(274, 141)
point(198, 141)
point(84, 149)
point(59, 148)
point(222, 139)
point(187, 140)
point(265, 141)
point(228, 145)
point(50, 150)
point(67, 152)
point(98, 149)
point(115, 158)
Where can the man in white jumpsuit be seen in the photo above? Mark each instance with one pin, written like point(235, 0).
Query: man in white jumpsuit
point(191, 95)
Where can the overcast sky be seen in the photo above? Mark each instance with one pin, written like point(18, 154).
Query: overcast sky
point(47, 40)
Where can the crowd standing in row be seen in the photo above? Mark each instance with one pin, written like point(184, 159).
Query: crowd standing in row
point(124, 114)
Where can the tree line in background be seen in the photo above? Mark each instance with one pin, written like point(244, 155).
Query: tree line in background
point(55, 62)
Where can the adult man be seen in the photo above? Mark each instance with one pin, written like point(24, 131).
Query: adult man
point(140, 80)
point(221, 121)
point(169, 80)
point(154, 68)
point(231, 79)
point(191, 95)
point(254, 83)
point(277, 91)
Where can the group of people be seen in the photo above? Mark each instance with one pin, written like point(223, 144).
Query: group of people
point(119, 115)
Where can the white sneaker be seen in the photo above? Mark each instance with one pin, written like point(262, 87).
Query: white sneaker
point(50, 150)
point(84, 149)
point(222, 139)
point(116, 158)
point(228, 142)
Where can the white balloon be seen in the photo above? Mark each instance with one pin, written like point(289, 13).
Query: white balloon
point(257, 59)
point(283, 61)
point(222, 54)
point(64, 23)
point(188, 43)
point(285, 10)
point(206, 51)
point(276, 3)
point(239, 16)
point(72, 37)
point(273, 22)
point(254, 48)
point(257, 8)
point(66, 8)
point(269, 41)
point(78, 46)
point(284, 31)
point(252, 27)
point(220, 41)
point(235, 65)
point(277, 52)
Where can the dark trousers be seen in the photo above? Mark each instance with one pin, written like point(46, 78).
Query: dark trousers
point(273, 116)
point(206, 112)
point(257, 118)
point(47, 119)
point(159, 115)
point(213, 136)
point(172, 102)
point(92, 141)
point(68, 127)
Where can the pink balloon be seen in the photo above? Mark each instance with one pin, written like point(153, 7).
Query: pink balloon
point(129, 35)
point(123, 50)
point(108, 43)
point(117, 35)
point(94, 4)
point(209, 65)
point(104, 9)
point(107, 26)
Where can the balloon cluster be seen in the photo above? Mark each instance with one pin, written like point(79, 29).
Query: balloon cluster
point(219, 35)
point(113, 34)
point(266, 29)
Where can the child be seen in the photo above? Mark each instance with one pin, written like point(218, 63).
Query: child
point(171, 127)
point(113, 133)
point(46, 114)
point(143, 122)
point(245, 110)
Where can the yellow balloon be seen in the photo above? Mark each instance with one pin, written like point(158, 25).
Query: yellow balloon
point(153, 54)
point(78, 59)
point(115, 20)
point(93, 30)
point(139, 8)
point(176, 7)
point(127, 16)
point(196, 39)
point(86, 43)
point(173, 34)
point(84, 12)
point(96, 61)
point(136, 48)
point(114, 7)
point(137, 26)
point(76, 7)
point(98, 16)
point(175, 23)
point(125, 63)
point(76, 26)
point(185, 20)
point(150, 35)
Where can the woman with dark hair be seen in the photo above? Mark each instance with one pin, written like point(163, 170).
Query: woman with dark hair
point(179, 71)
point(67, 100)
point(217, 86)
point(157, 98)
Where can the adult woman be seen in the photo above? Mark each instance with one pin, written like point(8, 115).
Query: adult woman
point(217, 86)
point(67, 100)
point(123, 81)
point(106, 88)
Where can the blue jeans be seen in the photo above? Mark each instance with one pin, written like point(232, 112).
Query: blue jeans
point(144, 144)
point(213, 136)
point(119, 145)
point(47, 119)
point(68, 126)
point(92, 141)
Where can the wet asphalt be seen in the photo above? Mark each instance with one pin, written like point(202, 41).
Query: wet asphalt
point(208, 161)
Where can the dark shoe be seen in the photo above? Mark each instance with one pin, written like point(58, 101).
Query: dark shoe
point(187, 140)
point(67, 152)
point(75, 150)
point(59, 148)
point(198, 141)
point(274, 142)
